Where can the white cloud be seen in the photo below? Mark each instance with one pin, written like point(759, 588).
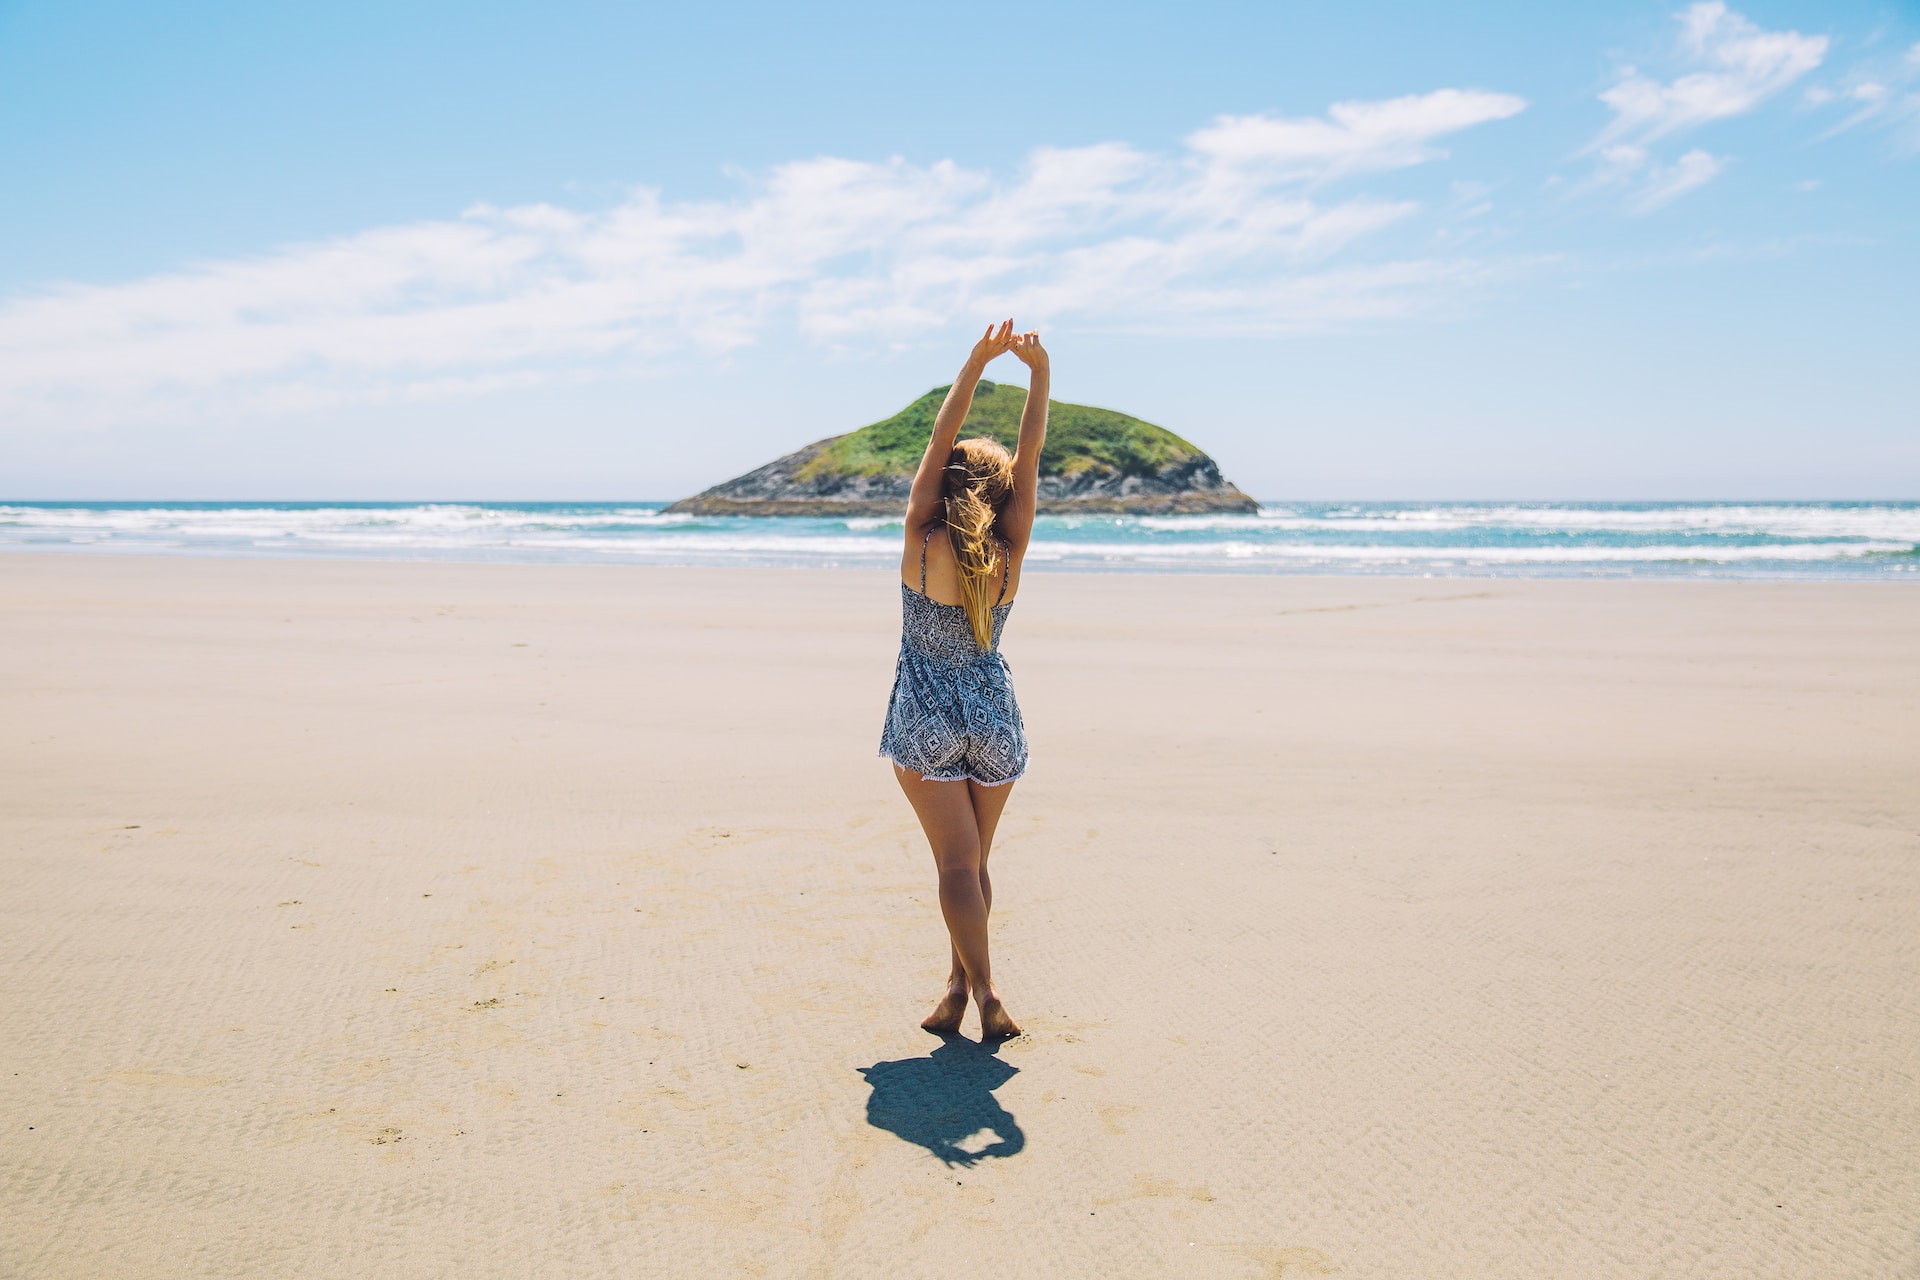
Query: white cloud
point(1652, 184)
point(1356, 136)
point(1616, 164)
point(1665, 182)
point(1880, 91)
point(1226, 237)
point(1742, 66)
point(1738, 67)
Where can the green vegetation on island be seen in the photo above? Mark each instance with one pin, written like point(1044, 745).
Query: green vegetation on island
point(1080, 438)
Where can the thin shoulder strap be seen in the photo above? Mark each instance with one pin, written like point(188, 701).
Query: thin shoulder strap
point(1006, 576)
point(923, 559)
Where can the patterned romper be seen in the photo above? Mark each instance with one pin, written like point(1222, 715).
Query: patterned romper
point(952, 715)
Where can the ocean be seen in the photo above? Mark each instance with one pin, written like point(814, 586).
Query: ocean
point(1808, 540)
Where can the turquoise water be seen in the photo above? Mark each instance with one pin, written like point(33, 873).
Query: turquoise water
point(1873, 540)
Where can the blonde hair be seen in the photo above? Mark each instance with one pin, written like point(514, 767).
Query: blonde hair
point(978, 480)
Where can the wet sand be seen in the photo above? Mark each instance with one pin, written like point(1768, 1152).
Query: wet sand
point(468, 920)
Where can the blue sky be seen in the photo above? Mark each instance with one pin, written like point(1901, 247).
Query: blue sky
point(587, 251)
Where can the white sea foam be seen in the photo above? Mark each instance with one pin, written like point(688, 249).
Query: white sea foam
point(1676, 553)
point(264, 521)
point(1783, 520)
point(1780, 539)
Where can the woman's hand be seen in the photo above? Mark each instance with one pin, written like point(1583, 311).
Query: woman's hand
point(1029, 351)
point(992, 344)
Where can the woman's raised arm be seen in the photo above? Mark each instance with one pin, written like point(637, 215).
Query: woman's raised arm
point(1016, 521)
point(923, 502)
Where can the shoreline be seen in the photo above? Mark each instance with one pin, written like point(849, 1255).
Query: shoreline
point(1040, 565)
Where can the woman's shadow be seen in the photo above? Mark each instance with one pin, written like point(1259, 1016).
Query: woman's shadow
point(944, 1102)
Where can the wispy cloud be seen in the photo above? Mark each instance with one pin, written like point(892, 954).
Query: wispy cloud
point(1737, 66)
point(1879, 91)
point(1743, 67)
point(1654, 184)
point(1355, 136)
point(1666, 182)
point(1234, 234)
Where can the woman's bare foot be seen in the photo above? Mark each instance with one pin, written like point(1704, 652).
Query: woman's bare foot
point(995, 1022)
point(945, 1018)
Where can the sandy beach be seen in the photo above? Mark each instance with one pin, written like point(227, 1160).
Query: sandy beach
point(409, 920)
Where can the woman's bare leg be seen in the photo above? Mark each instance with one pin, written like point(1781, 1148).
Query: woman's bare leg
point(959, 819)
point(945, 810)
point(988, 803)
point(987, 806)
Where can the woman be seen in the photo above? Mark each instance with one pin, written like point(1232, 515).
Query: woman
point(953, 728)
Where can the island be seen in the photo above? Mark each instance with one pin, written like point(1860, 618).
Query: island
point(1096, 461)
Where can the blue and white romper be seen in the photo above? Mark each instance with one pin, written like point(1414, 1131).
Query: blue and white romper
point(953, 715)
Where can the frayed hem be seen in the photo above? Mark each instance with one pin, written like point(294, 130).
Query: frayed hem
point(956, 777)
